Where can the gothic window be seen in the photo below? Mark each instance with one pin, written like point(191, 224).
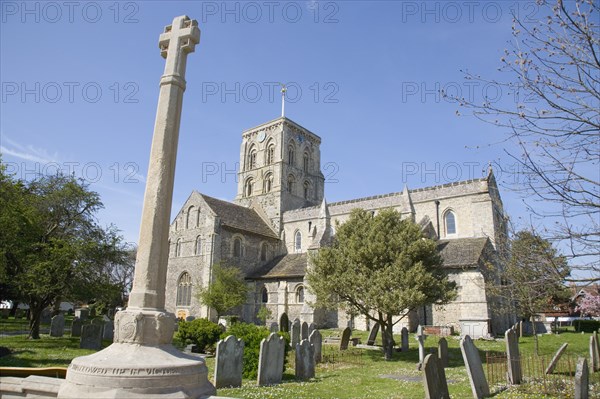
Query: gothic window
point(306, 189)
point(237, 247)
point(270, 153)
point(248, 187)
point(198, 249)
point(252, 158)
point(300, 294)
point(263, 251)
point(291, 153)
point(290, 185)
point(305, 162)
point(264, 295)
point(178, 247)
point(188, 217)
point(268, 183)
point(184, 290)
point(450, 221)
point(198, 218)
point(298, 241)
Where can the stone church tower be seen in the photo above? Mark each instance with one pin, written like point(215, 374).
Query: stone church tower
point(279, 169)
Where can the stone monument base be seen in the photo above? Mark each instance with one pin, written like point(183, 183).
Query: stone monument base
point(137, 371)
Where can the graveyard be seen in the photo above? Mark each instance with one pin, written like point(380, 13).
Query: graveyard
point(357, 371)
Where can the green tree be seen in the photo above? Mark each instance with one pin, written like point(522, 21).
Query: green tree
point(534, 276)
point(226, 291)
point(51, 246)
point(382, 267)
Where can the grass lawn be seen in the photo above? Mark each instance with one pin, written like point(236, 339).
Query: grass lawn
point(355, 373)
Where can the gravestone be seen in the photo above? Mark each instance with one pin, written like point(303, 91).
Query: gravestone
point(91, 337)
point(270, 360)
point(556, 358)
point(345, 338)
point(582, 379)
point(295, 334)
point(404, 334)
point(479, 384)
point(421, 337)
point(513, 357)
point(46, 316)
point(109, 330)
point(521, 329)
point(434, 378)
point(274, 327)
point(284, 323)
point(82, 314)
point(443, 352)
point(305, 360)
point(76, 327)
point(304, 331)
point(594, 355)
point(316, 340)
point(57, 326)
point(311, 327)
point(373, 334)
point(228, 363)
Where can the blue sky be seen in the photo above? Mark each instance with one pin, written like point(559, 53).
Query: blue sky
point(80, 86)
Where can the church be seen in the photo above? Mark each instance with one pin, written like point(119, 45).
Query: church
point(280, 215)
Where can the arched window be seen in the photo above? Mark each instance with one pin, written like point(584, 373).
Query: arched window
point(298, 241)
point(291, 182)
point(249, 187)
point(198, 218)
point(252, 158)
point(270, 153)
point(263, 251)
point(237, 247)
point(264, 295)
point(184, 290)
point(291, 154)
point(198, 249)
point(450, 221)
point(306, 189)
point(268, 182)
point(188, 217)
point(178, 247)
point(305, 162)
point(300, 294)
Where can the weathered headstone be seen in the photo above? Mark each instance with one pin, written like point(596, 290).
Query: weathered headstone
point(270, 361)
point(434, 378)
point(295, 333)
point(316, 340)
point(304, 331)
point(46, 316)
point(311, 327)
point(479, 384)
point(594, 355)
point(513, 357)
point(91, 337)
point(345, 338)
point(76, 327)
point(404, 334)
point(274, 327)
point(109, 330)
point(284, 323)
point(373, 334)
point(556, 358)
point(57, 326)
point(582, 379)
point(305, 360)
point(443, 352)
point(228, 363)
point(82, 313)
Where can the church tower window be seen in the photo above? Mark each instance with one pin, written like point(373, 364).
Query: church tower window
point(249, 187)
point(270, 153)
point(263, 251)
point(290, 185)
point(291, 154)
point(450, 221)
point(178, 247)
point(305, 162)
point(300, 294)
point(252, 158)
point(237, 247)
point(268, 182)
point(188, 217)
point(306, 190)
point(264, 295)
point(298, 241)
point(184, 290)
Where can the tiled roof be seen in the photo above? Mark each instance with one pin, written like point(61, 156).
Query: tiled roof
point(286, 266)
point(239, 217)
point(462, 252)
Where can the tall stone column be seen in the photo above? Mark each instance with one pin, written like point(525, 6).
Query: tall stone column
point(142, 360)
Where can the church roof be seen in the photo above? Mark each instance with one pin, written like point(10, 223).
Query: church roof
point(239, 217)
point(462, 252)
point(285, 266)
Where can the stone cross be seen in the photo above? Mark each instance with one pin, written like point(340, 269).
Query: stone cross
point(421, 337)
